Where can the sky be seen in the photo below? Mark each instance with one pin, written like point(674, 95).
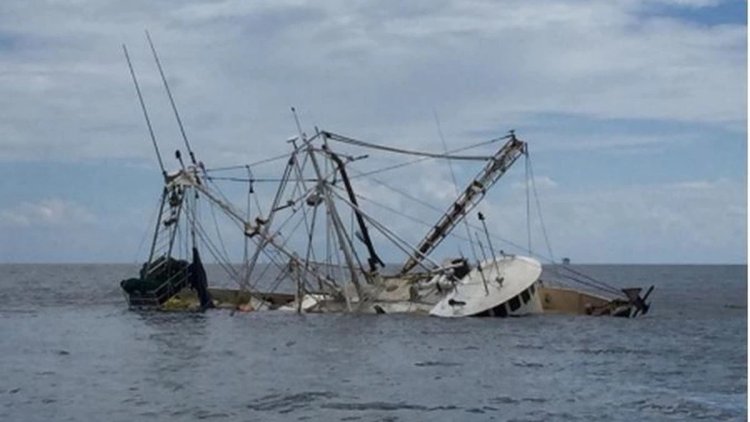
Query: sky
point(635, 113)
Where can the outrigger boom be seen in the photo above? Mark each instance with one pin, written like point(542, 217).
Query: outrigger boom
point(469, 198)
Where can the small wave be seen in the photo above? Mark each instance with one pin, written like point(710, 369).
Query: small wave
point(385, 406)
point(511, 400)
point(529, 347)
point(528, 364)
point(503, 400)
point(289, 402)
point(614, 351)
point(690, 409)
point(437, 363)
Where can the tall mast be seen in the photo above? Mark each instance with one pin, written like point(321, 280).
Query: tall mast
point(145, 112)
point(468, 199)
point(171, 100)
point(337, 225)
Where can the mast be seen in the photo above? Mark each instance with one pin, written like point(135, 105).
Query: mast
point(171, 99)
point(374, 259)
point(145, 112)
point(336, 226)
point(468, 199)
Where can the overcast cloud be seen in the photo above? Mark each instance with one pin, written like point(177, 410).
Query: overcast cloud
point(636, 111)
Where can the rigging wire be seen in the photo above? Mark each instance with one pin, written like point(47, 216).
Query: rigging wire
point(376, 171)
point(528, 202)
point(218, 234)
point(257, 180)
point(395, 239)
point(253, 164)
point(217, 254)
point(222, 261)
point(419, 160)
point(455, 183)
point(550, 259)
point(148, 230)
point(356, 142)
point(539, 208)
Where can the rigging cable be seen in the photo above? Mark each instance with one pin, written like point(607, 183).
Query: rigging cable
point(152, 218)
point(455, 183)
point(528, 197)
point(356, 142)
point(253, 164)
point(539, 208)
point(550, 259)
point(419, 160)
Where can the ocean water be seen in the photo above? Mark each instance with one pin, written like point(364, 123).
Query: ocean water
point(71, 351)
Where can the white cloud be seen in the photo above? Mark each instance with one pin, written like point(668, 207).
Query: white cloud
point(53, 212)
point(695, 221)
point(371, 69)
point(376, 71)
point(541, 182)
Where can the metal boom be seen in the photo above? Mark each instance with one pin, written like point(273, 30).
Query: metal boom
point(468, 199)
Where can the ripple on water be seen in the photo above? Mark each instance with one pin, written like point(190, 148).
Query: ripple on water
point(688, 408)
point(101, 362)
point(437, 363)
point(285, 403)
point(384, 406)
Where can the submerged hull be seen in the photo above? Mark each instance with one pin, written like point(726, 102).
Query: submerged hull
point(506, 286)
point(501, 287)
point(564, 300)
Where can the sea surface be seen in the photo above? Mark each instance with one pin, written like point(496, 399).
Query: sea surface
point(71, 351)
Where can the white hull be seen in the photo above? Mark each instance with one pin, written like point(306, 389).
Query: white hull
point(504, 286)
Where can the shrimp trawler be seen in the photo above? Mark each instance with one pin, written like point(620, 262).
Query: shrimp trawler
point(316, 245)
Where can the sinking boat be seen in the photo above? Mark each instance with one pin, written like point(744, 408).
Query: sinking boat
point(318, 236)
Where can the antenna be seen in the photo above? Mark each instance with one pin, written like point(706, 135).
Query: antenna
point(299, 126)
point(171, 99)
point(145, 112)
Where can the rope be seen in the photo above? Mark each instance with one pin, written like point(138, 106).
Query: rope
point(253, 164)
point(455, 183)
point(539, 209)
point(351, 141)
point(149, 227)
point(405, 247)
point(528, 202)
point(223, 262)
point(550, 258)
point(258, 180)
point(218, 233)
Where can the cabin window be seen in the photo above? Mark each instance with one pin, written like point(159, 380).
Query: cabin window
point(525, 296)
point(514, 303)
point(484, 313)
point(532, 288)
point(500, 310)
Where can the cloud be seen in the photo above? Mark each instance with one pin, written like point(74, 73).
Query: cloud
point(53, 212)
point(695, 221)
point(366, 68)
point(570, 76)
point(541, 182)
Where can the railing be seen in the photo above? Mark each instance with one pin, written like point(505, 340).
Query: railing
point(155, 298)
